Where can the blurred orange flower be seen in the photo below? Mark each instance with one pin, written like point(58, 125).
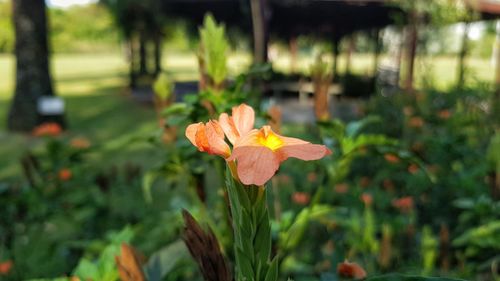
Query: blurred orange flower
point(5, 267)
point(301, 198)
point(413, 169)
point(47, 130)
point(367, 199)
point(80, 143)
point(364, 181)
point(208, 138)
point(404, 204)
point(408, 110)
point(64, 174)
point(312, 177)
point(416, 122)
point(260, 152)
point(444, 114)
point(391, 158)
point(341, 188)
point(351, 270)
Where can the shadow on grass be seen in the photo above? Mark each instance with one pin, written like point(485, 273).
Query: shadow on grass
point(107, 117)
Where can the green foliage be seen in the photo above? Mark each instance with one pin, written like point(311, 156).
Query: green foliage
point(163, 87)
point(164, 261)
point(252, 232)
point(104, 267)
point(429, 250)
point(7, 30)
point(400, 277)
point(71, 31)
point(214, 48)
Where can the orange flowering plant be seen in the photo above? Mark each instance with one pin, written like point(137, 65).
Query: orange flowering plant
point(253, 156)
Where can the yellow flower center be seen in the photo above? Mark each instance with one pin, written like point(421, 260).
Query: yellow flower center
point(271, 141)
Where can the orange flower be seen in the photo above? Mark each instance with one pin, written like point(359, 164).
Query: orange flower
point(364, 181)
point(444, 114)
point(413, 169)
point(416, 122)
point(408, 110)
point(404, 204)
point(391, 158)
point(5, 267)
point(47, 130)
point(240, 123)
point(367, 199)
point(208, 138)
point(341, 188)
point(312, 177)
point(301, 198)
point(64, 174)
point(80, 143)
point(259, 154)
point(351, 270)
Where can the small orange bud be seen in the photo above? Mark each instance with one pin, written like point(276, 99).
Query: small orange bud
point(416, 122)
point(391, 158)
point(5, 267)
point(64, 174)
point(404, 204)
point(341, 188)
point(413, 169)
point(301, 198)
point(47, 130)
point(367, 199)
point(80, 143)
point(351, 270)
point(444, 114)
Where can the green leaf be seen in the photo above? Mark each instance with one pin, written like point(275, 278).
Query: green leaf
point(164, 260)
point(245, 266)
point(215, 46)
point(399, 277)
point(163, 86)
point(147, 184)
point(263, 240)
point(272, 272)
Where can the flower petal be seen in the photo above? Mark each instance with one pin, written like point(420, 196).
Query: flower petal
point(215, 139)
point(255, 164)
point(303, 150)
point(243, 118)
point(228, 127)
point(191, 132)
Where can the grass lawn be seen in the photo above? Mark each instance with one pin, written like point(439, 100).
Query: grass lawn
point(99, 107)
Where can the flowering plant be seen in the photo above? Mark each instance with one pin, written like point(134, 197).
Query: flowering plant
point(255, 157)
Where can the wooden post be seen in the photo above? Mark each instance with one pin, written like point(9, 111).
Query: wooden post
point(336, 48)
point(350, 49)
point(260, 37)
point(496, 100)
point(157, 53)
point(294, 50)
point(411, 52)
point(378, 49)
point(462, 56)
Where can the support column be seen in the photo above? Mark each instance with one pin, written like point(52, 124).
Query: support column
point(377, 51)
point(294, 50)
point(350, 49)
point(336, 50)
point(411, 52)
point(260, 36)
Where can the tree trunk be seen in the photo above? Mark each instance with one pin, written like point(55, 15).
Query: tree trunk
point(412, 52)
point(32, 64)
point(143, 60)
point(462, 56)
point(260, 36)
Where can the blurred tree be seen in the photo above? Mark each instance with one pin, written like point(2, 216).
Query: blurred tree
point(141, 23)
point(32, 66)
